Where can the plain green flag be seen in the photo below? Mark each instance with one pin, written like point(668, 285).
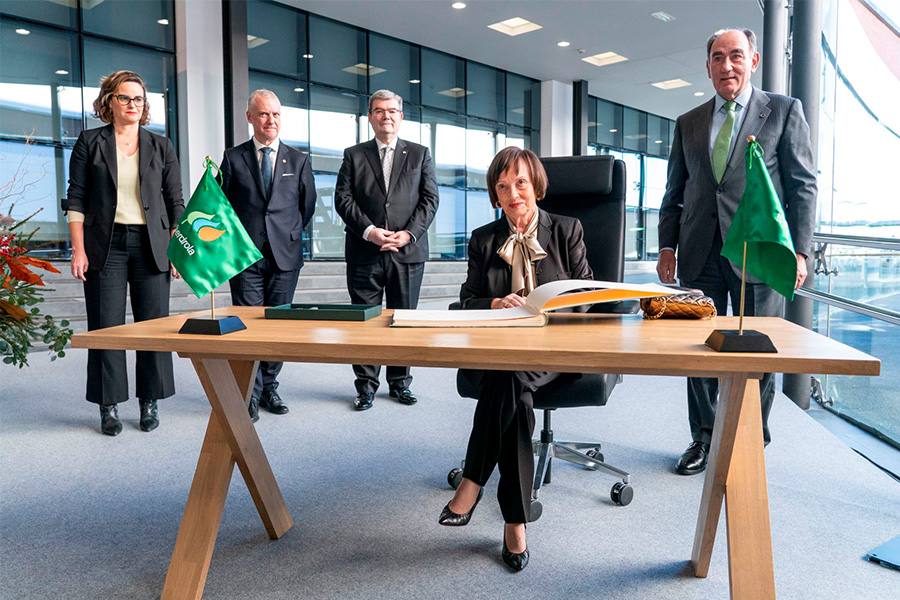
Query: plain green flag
point(760, 222)
point(210, 245)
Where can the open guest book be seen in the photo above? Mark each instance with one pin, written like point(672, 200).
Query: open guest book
point(550, 296)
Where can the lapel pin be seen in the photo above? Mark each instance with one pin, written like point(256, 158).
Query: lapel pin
point(762, 115)
point(284, 160)
point(404, 152)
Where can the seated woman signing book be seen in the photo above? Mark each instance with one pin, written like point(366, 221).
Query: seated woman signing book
point(508, 258)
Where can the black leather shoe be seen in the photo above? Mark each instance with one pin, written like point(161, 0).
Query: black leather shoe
point(253, 409)
point(149, 415)
point(273, 403)
point(452, 519)
point(513, 560)
point(693, 460)
point(404, 396)
point(364, 401)
point(109, 419)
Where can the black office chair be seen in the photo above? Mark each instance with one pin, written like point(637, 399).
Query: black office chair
point(592, 189)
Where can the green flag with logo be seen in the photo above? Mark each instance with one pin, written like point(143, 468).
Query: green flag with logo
point(210, 245)
point(760, 222)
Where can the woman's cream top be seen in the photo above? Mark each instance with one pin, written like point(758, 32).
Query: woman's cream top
point(129, 208)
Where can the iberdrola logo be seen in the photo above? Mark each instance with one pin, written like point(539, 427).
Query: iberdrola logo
point(205, 226)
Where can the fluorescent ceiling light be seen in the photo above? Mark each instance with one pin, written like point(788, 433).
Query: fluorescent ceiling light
point(255, 42)
point(562, 44)
point(604, 58)
point(658, 142)
point(456, 92)
point(163, 21)
point(415, 81)
point(671, 84)
point(298, 89)
point(613, 130)
point(698, 93)
point(662, 16)
point(458, 5)
point(514, 26)
point(61, 72)
point(22, 31)
point(307, 56)
point(363, 69)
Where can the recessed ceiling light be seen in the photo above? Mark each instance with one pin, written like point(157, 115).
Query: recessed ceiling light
point(671, 84)
point(163, 21)
point(604, 58)
point(458, 5)
point(562, 44)
point(61, 72)
point(658, 142)
point(415, 81)
point(699, 93)
point(456, 92)
point(22, 31)
point(662, 16)
point(515, 26)
point(255, 42)
point(307, 56)
point(363, 69)
point(613, 130)
point(298, 89)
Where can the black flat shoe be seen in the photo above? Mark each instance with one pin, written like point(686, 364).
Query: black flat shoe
point(452, 519)
point(273, 403)
point(404, 396)
point(513, 560)
point(109, 419)
point(693, 460)
point(253, 409)
point(149, 415)
point(364, 401)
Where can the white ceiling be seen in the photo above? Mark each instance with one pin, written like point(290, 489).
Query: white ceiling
point(656, 51)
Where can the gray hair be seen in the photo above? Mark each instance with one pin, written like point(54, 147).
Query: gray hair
point(385, 95)
point(751, 38)
point(261, 94)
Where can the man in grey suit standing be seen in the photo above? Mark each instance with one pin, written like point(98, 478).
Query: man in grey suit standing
point(706, 180)
point(271, 187)
point(387, 195)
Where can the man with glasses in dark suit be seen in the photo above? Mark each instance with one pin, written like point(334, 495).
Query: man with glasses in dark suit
point(387, 195)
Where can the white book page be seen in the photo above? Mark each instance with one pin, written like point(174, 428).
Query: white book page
point(517, 312)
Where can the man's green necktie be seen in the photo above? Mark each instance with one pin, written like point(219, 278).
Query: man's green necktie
point(723, 142)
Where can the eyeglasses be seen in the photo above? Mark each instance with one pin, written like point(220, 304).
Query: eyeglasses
point(125, 100)
point(378, 112)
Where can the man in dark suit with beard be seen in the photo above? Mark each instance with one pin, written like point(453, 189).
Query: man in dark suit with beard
point(706, 180)
point(271, 187)
point(387, 195)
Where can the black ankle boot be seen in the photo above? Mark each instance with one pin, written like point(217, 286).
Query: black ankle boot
point(149, 415)
point(109, 419)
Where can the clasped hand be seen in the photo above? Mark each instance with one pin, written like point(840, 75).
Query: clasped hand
point(390, 241)
point(508, 301)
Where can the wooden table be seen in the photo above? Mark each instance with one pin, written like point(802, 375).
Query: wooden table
point(575, 343)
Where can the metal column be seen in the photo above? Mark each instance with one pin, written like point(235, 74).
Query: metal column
point(237, 81)
point(774, 46)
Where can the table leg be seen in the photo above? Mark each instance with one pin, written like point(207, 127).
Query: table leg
point(737, 473)
point(231, 438)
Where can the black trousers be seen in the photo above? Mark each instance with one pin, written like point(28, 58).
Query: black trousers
point(718, 280)
point(501, 437)
point(369, 284)
point(129, 264)
point(263, 284)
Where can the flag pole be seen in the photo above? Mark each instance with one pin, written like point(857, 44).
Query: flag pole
point(743, 283)
point(212, 303)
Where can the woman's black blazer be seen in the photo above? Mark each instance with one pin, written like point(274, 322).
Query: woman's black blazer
point(93, 174)
point(488, 277)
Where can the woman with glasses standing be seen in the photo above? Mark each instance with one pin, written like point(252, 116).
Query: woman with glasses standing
point(124, 200)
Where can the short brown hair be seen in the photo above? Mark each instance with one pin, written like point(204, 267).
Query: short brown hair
point(108, 87)
point(512, 156)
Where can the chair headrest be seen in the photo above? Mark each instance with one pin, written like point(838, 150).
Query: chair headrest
point(574, 175)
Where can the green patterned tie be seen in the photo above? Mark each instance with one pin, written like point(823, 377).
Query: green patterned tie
point(723, 142)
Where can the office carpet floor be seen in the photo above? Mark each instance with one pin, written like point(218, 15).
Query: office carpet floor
point(85, 516)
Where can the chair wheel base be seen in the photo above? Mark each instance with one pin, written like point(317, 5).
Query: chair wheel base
point(621, 493)
point(454, 477)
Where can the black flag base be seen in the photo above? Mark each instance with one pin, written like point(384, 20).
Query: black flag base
point(212, 326)
point(729, 340)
